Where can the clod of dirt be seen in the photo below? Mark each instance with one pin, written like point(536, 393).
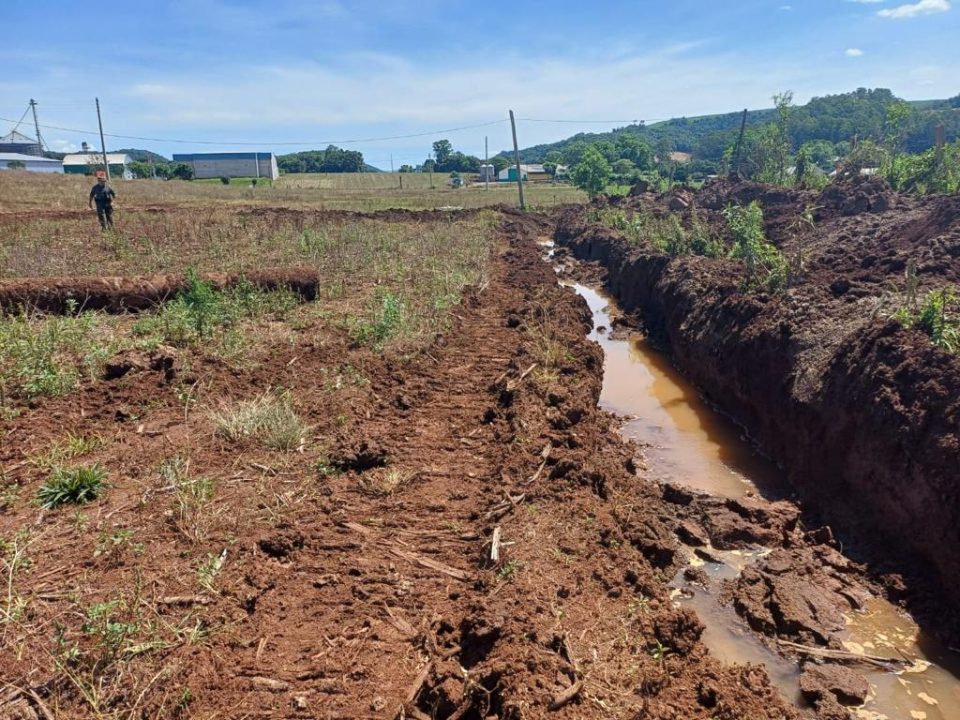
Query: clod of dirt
point(365, 455)
point(691, 534)
point(163, 359)
point(799, 593)
point(847, 686)
point(281, 545)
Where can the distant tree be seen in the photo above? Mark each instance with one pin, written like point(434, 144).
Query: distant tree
point(899, 116)
point(624, 168)
point(592, 173)
point(554, 156)
point(181, 171)
point(442, 150)
point(821, 153)
point(634, 148)
point(16, 165)
point(574, 152)
point(499, 162)
point(781, 147)
point(429, 165)
point(140, 169)
point(224, 180)
point(406, 168)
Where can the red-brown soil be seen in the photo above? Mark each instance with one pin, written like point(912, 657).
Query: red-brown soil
point(367, 589)
point(863, 414)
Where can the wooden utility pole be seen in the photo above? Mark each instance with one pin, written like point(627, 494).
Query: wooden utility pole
point(516, 157)
point(486, 162)
point(739, 149)
point(103, 144)
point(36, 125)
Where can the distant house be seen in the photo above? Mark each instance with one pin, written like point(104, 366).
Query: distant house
point(529, 172)
point(231, 165)
point(89, 162)
point(14, 142)
point(29, 162)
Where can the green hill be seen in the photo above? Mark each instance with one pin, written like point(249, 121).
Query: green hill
point(834, 119)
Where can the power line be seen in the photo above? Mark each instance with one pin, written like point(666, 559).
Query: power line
point(247, 142)
point(592, 122)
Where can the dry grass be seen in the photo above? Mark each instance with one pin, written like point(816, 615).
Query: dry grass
point(269, 419)
point(25, 192)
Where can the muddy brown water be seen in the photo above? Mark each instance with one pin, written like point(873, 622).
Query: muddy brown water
point(692, 444)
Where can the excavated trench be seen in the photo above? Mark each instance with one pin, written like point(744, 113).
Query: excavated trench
point(687, 442)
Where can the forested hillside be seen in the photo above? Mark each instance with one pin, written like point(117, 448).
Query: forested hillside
point(862, 114)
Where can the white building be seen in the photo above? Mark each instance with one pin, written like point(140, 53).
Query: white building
point(29, 162)
point(231, 165)
point(88, 163)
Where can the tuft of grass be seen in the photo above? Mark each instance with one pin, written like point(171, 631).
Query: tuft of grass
point(77, 485)
point(384, 482)
point(383, 322)
point(269, 419)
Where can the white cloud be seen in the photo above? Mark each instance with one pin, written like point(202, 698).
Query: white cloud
point(854, 52)
point(786, 7)
point(924, 7)
point(865, 2)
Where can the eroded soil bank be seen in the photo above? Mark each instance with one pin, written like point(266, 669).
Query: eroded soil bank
point(862, 414)
point(353, 577)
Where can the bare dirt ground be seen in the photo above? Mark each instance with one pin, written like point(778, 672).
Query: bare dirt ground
point(459, 534)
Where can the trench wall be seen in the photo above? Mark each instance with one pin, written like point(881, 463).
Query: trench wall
point(867, 429)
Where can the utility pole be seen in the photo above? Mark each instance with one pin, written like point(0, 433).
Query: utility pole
point(739, 148)
point(36, 125)
point(516, 156)
point(103, 144)
point(486, 162)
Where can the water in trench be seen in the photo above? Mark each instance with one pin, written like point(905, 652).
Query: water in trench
point(690, 443)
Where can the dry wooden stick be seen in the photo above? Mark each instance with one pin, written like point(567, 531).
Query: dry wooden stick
point(874, 660)
point(430, 564)
point(495, 545)
point(565, 696)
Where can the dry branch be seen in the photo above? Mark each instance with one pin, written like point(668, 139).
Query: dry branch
point(843, 655)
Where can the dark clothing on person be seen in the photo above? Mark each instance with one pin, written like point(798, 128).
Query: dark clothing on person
point(103, 196)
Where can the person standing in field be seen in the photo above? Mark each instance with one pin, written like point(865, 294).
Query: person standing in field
point(103, 195)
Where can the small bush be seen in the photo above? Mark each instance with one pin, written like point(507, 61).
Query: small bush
point(938, 316)
point(764, 265)
point(269, 419)
point(385, 322)
point(72, 485)
point(224, 180)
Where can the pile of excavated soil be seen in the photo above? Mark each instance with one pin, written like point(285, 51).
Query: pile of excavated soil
point(863, 414)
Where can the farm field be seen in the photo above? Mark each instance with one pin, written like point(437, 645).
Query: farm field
point(342, 191)
point(262, 455)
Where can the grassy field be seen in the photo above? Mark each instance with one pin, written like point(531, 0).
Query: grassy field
point(28, 192)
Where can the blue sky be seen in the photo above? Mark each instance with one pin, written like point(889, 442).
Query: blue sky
point(290, 75)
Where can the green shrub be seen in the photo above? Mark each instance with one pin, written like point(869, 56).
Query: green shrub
point(385, 321)
point(938, 316)
point(764, 265)
point(76, 485)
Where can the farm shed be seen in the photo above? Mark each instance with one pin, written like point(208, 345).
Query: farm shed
point(15, 142)
point(530, 172)
point(89, 163)
point(231, 165)
point(29, 162)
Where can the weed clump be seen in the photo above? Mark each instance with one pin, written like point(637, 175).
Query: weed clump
point(938, 316)
point(76, 485)
point(667, 234)
point(202, 313)
point(764, 265)
point(269, 419)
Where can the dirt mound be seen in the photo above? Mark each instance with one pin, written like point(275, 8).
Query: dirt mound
point(132, 294)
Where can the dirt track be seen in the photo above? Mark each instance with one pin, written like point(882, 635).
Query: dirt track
point(336, 600)
point(863, 414)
